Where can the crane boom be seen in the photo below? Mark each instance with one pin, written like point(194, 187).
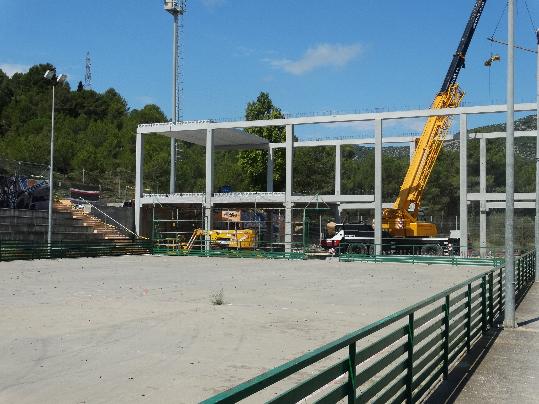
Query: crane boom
point(401, 219)
point(459, 57)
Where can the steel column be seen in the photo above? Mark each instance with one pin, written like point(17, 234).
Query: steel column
point(139, 180)
point(269, 171)
point(209, 186)
point(378, 186)
point(483, 202)
point(288, 187)
point(509, 320)
point(463, 172)
point(338, 169)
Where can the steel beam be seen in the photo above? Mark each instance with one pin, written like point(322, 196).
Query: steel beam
point(500, 196)
point(482, 109)
point(518, 205)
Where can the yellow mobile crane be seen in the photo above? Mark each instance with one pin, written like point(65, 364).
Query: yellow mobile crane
point(402, 219)
point(402, 232)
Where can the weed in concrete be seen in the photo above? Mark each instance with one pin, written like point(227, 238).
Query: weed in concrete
point(217, 298)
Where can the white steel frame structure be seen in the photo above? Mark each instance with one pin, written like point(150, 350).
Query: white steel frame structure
point(229, 135)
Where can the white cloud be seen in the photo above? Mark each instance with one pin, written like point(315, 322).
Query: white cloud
point(11, 68)
point(145, 100)
point(335, 55)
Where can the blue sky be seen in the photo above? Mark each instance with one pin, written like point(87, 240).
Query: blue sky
point(311, 56)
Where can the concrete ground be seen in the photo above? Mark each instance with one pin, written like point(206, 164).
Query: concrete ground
point(509, 372)
point(143, 328)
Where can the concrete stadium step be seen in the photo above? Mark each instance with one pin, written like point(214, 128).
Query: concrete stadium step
point(69, 224)
point(56, 236)
point(107, 231)
point(32, 225)
point(44, 227)
point(36, 221)
point(36, 214)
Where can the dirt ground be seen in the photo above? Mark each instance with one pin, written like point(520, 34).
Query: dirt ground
point(144, 329)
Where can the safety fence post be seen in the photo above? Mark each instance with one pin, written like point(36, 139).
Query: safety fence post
point(517, 277)
point(352, 373)
point(469, 317)
point(501, 289)
point(534, 265)
point(410, 370)
point(491, 299)
point(446, 337)
point(484, 303)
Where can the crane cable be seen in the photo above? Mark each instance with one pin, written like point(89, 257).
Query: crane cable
point(492, 40)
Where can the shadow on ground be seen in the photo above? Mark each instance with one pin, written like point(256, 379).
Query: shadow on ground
point(449, 390)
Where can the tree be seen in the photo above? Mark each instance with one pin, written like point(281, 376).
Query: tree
point(80, 87)
point(253, 163)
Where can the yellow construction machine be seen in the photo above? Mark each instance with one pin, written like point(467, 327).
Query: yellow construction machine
point(402, 219)
point(224, 239)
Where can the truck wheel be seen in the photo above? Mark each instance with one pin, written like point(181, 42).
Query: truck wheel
point(433, 249)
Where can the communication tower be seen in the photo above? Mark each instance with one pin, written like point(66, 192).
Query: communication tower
point(88, 73)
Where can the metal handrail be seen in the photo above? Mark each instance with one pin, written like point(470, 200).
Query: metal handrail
point(107, 216)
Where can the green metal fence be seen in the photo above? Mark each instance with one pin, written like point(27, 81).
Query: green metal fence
point(415, 255)
point(262, 250)
point(399, 358)
point(21, 250)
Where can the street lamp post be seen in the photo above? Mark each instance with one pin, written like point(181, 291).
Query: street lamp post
point(51, 75)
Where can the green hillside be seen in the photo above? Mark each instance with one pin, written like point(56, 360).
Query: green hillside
point(95, 132)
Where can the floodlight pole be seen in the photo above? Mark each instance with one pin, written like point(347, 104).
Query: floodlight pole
point(537, 169)
point(49, 233)
point(509, 319)
point(176, 8)
point(174, 100)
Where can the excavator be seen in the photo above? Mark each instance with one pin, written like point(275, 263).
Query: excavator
point(400, 223)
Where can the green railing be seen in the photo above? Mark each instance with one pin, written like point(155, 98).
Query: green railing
point(262, 250)
point(353, 252)
point(399, 358)
point(22, 250)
